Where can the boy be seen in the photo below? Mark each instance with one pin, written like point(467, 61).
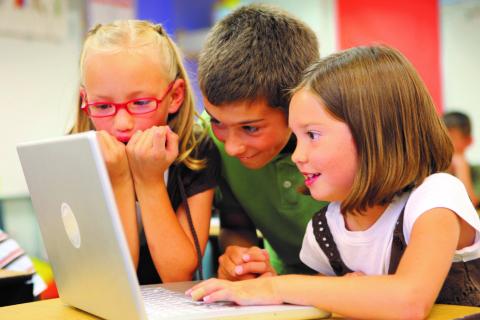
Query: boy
point(460, 132)
point(249, 62)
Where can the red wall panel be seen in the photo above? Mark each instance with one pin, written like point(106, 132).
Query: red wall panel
point(412, 26)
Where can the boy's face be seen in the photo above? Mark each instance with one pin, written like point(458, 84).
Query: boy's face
point(459, 140)
point(252, 131)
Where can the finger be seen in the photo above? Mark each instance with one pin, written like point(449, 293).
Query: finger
point(234, 275)
point(254, 267)
point(199, 285)
point(133, 141)
point(222, 273)
point(219, 295)
point(235, 254)
point(102, 141)
point(207, 288)
point(145, 141)
point(115, 145)
point(266, 254)
point(198, 294)
point(171, 144)
point(267, 274)
point(104, 137)
point(111, 140)
point(159, 139)
point(255, 254)
point(107, 145)
point(226, 267)
point(247, 276)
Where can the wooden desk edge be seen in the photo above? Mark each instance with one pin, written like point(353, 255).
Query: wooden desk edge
point(55, 309)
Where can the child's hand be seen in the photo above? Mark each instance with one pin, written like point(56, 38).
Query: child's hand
point(239, 263)
point(151, 152)
point(115, 156)
point(259, 291)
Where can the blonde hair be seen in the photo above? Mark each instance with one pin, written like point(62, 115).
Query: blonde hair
point(399, 137)
point(137, 34)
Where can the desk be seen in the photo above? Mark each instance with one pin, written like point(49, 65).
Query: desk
point(54, 310)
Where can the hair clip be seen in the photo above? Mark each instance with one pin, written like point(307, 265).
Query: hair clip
point(94, 29)
point(160, 29)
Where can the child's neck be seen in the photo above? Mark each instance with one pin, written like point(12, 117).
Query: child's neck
point(363, 221)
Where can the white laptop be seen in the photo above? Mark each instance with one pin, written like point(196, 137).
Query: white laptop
point(83, 236)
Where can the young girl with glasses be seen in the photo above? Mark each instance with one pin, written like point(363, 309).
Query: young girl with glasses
point(135, 92)
point(403, 233)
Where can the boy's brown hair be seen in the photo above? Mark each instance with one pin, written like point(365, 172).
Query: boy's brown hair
point(256, 52)
point(399, 137)
point(458, 120)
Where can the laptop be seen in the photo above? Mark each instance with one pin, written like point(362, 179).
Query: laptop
point(83, 236)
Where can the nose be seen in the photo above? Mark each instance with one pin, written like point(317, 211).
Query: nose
point(234, 146)
point(123, 121)
point(299, 155)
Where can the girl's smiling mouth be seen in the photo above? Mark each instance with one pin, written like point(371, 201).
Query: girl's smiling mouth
point(310, 178)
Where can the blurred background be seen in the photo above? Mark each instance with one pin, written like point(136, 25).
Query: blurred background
point(40, 42)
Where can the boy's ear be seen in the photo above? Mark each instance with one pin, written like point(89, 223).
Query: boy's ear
point(469, 140)
point(177, 96)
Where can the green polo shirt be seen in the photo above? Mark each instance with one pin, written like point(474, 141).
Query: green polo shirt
point(270, 198)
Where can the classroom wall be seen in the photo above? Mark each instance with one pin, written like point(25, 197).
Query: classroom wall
point(38, 80)
point(38, 85)
point(460, 37)
point(319, 15)
point(410, 26)
point(38, 94)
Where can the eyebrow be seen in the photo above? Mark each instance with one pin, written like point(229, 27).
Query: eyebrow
point(130, 96)
point(246, 122)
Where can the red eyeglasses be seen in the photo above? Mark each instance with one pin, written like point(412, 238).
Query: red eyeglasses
point(134, 107)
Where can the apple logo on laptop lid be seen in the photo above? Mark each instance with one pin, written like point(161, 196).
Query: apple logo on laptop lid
point(71, 226)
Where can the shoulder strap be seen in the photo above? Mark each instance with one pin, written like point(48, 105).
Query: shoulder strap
point(190, 224)
point(398, 244)
point(325, 241)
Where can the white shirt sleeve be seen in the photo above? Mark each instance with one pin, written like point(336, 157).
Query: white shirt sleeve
point(441, 190)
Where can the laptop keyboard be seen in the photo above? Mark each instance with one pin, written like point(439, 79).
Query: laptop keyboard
point(161, 303)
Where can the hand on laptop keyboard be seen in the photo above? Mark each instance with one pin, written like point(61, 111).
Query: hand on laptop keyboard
point(260, 291)
point(163, 303)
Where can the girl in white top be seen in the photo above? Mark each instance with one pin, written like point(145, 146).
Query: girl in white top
point(369, 140)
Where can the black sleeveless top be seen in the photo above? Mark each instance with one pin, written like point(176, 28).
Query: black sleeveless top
point(461, 287)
